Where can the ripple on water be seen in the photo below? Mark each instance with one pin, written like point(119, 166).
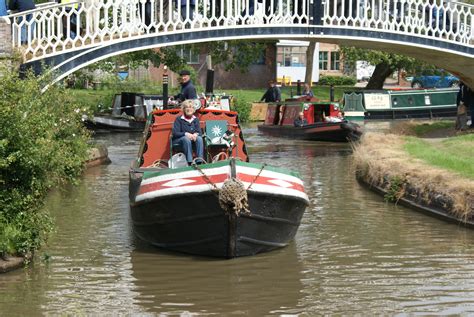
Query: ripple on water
point(353, 254)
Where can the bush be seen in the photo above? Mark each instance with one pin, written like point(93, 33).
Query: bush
point(42, 143)
point(242, 105)
point(337, 80)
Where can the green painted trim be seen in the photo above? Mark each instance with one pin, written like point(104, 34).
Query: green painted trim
point(269, 168)
point(167, 171)
point(425, 107)
point(422, 92)
point(354, 118)
point(257, 166)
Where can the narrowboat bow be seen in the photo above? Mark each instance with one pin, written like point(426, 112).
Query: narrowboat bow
point(225, 208)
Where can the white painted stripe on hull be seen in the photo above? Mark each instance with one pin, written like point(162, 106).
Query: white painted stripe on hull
point(260, 188)
point(256, 188)
point(177, 191)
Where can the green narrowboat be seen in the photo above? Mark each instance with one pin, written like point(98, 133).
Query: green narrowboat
point(400, 104)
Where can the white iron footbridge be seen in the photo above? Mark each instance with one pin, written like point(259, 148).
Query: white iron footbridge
point(70, 36)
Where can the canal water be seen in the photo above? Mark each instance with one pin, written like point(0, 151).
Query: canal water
point(353, 254)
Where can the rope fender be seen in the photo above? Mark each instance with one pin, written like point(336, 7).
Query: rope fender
point(233, 197)
point(233, 194)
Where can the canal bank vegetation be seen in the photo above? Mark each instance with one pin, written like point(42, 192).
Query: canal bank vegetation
point(43, 144)
point(101, 99)
point(434, 173)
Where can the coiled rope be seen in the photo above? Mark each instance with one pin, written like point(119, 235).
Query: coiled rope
point(233, 194)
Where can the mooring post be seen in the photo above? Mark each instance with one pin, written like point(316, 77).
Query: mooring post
point(165, 88)
point(210, 82)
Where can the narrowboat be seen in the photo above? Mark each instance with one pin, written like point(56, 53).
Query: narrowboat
point(324, 121)
point(400, 104)
point(128, 113)
point(226, 207)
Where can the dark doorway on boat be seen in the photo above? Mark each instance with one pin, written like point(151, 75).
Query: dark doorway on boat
point(321, 112)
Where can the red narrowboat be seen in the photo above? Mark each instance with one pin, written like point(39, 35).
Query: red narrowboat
point(323, 121)
point(226, 207)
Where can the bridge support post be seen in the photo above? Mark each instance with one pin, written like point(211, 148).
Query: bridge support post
point(316, 12)
point(5, 46)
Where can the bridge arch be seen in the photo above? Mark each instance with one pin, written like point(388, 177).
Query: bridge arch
point(435, 31)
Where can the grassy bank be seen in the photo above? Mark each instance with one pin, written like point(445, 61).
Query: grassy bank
point(454, 154)
point(425, 171)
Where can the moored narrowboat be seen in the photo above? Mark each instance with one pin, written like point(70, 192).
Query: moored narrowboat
point(400, 104)
point(128, 113)
point(323, 121)
point(226, 207)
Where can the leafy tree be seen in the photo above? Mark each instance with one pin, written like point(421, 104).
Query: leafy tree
point(234, 54)
point(385, 64)
point(42, 143)
point(166, 55)
point(231, 54)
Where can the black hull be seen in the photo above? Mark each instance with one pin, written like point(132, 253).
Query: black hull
point(201, 227)
point(331, 132)
point(116, 124)
point(448, 112)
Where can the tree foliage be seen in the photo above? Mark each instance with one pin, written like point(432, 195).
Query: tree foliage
point(385, 64)
point(231, 54)
point(168, 56)
point(234, 54)
point(42, 143)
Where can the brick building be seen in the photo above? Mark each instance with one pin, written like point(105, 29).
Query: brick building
point(285, 58)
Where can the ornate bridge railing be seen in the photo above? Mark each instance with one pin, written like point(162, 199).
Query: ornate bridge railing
point(60, 28)
point(445, 21)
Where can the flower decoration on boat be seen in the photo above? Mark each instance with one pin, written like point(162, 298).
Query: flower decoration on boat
point(216, 130)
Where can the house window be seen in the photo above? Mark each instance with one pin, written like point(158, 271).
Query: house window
point(289, 56)
point(323, 60)
point(189, 55)
point(335, 61)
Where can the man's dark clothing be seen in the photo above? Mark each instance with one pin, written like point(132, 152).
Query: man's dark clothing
point(300, 122)
point(272, 94)
point(21, 5)
point(187, 91)
point(466, 95)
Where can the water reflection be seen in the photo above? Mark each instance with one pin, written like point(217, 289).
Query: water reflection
point(266, 284)
point(353, 254)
